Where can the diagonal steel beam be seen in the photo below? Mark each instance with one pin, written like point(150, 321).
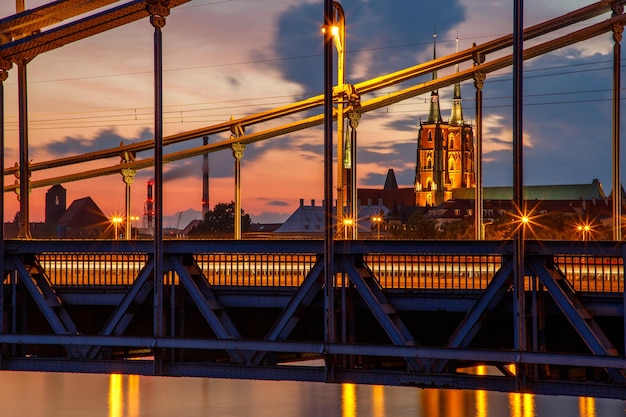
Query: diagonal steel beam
point(33, 20)
point(385, 313)
point(122, 315)
point(289, 317)
point(579, 317)
point(47, 300)
point(472, 322)
point(208, 304)
point(29, 47)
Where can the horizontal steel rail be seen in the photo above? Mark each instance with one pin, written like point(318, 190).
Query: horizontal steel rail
point(396, 264)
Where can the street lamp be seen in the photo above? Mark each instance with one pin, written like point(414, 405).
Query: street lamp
point(116, 220)
point(484, 226)
point(338, 31)
point(584, 229)
point(377, 219)
point(347, 223)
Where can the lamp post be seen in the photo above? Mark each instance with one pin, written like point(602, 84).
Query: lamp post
point(116, 220)
point(584, 229)
point(377, 219)
point(484, 226)
point(339, 39)
point(347, 223)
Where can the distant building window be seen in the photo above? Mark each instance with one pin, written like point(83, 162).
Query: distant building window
point(457, 212)
point(430, 135)
point(56, 200)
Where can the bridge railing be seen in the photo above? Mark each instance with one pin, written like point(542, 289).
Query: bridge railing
point(433, 271)
point(589, 273)
point(586, 273)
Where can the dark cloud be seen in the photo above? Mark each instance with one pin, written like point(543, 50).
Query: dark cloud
point(278, 203)
point(107, 138)
point(406, 124)
point(370, 26)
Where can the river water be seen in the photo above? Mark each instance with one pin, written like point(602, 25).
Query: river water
point(34, 394)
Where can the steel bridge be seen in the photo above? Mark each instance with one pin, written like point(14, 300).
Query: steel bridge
point(547, 316)
point(408, 313)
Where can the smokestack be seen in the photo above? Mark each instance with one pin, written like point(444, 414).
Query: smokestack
point(205, 179)
point(148, 209)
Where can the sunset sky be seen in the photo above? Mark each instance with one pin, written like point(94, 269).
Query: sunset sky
point(237, 57)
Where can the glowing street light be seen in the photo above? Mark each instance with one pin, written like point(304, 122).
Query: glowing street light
point(377, 219)
point(347, 223)
point(584, 229)
point(116, 220)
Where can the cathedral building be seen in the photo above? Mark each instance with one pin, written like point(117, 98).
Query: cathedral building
point(445, 153)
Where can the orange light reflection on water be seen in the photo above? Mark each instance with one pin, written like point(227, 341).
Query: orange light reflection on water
point(587, 407)
point(481, 395)
point(348, 400)
point(522, 405)
point(116, 396)
point(378, 401)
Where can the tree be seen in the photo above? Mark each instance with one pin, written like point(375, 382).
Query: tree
point(221, 220)
point(417, 227)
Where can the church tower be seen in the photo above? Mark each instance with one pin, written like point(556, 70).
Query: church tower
point(445, 151)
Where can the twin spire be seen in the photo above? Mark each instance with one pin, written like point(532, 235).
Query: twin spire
point(434, 115)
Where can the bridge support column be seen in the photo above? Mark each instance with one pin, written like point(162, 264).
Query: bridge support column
point(128, 174)
point(4, 73)
point(617, 184)
point(329, 256)
point(354, 118)
point(238, 149)
point(339, 22)
point(158, 12)
point(519, 305)
point(24, 174)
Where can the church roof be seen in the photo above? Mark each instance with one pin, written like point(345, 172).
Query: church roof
point(83, 213)
point(538, 192)
point(390, 181)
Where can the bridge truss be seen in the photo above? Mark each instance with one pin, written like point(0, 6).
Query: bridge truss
point(410, 313)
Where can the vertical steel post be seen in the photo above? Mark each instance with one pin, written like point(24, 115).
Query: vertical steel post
point(22, 81)
point(238, 149)
point(479, 83)
point(519, 324)
point(354, 210)
point(339, 23)
point(329, 273)
point(617, 183)
point(3, 76)
point(205, 180)
point(128, 175)
point(158, 12)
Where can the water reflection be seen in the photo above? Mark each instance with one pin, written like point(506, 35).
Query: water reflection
point(348, 400)
point(378, 401)
point(521, 405)
point(57, 395)
point(587, 407)
point(116, 399)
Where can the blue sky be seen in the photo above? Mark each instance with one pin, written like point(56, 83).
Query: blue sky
point(233, 58)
